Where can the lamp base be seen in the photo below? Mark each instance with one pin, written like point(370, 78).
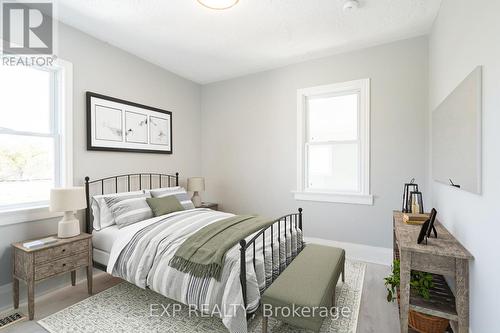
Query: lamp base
point(196, 199)
point(69, 226)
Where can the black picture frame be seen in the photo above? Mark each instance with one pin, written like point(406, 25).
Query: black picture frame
point(423, 232)
point(90, 95)
point(432, 219)
point(428, 227)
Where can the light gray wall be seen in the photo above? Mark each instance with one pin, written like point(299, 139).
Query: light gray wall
point(249, 139)
point(465, 35)
point(104, 69)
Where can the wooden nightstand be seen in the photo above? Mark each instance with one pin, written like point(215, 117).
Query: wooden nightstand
point(210, 205)
point(33, 265)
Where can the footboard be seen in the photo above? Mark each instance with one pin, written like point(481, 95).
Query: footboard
point(290, 222)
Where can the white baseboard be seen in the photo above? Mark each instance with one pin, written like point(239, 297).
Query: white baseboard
point(366, 253)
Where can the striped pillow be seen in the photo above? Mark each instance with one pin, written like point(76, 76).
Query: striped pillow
point(179, 192)
point(103, 217)
point(128, 210)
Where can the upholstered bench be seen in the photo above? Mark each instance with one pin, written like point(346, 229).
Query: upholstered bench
point(305, 287)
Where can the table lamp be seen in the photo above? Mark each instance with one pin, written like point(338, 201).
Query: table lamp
point(68, 200)
point(196, 184)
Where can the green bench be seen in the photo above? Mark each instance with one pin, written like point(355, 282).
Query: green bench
point(307, 284)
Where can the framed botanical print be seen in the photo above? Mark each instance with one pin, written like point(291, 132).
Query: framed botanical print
point(117, 125)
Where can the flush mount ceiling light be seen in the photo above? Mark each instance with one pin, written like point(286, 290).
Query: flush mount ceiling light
point(350, 5)
point(218, 4)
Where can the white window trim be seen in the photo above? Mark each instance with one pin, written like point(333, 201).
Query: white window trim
point(364, 196)
point(40, 211)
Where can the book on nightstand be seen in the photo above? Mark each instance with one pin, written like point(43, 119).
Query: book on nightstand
point(40, 243)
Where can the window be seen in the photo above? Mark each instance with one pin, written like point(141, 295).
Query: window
point(35, 138)
point(333, 143)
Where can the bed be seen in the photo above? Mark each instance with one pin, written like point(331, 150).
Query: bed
point(140, 252)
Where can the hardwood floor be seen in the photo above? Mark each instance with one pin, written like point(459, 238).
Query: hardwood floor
point(53, 302)
point(376, 314)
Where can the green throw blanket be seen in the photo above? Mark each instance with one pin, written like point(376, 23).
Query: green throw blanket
point(202, 254)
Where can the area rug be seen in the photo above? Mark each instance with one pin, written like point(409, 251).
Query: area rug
point(127, 308)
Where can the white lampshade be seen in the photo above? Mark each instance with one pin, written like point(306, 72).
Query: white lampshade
point(196, 184)
point(67, 199)
point(218, 4)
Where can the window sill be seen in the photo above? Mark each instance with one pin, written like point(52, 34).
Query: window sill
point(22, 215)
point(360, 199)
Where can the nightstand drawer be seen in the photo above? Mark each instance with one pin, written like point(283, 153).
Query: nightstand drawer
point(62, 265)
point(61, 251)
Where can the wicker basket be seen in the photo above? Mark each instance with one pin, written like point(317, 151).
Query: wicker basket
point(423, 323)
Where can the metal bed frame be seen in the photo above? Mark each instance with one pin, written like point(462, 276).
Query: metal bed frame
point(290, 221)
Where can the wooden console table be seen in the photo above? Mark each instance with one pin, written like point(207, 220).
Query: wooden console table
point(442, 256)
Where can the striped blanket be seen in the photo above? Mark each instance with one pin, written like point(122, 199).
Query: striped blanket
point(144, 249)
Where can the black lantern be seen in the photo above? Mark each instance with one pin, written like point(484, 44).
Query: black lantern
point(416, 203)
point(409, 187)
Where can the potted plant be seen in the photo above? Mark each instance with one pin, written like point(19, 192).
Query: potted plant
point(420, 283)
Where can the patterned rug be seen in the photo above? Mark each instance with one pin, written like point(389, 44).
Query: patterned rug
point(127, 308)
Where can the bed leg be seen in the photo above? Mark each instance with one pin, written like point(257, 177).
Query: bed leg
point(243, 271)
point(264, 324)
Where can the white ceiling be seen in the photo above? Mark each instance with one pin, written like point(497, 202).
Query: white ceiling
point(207, 45)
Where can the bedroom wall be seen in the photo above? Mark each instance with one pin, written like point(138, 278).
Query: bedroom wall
point(464, 36)
point(249, 139)
point(102, 68)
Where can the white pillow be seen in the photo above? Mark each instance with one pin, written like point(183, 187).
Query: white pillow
point(96, 214)
point(156, 191)
point(103, 217)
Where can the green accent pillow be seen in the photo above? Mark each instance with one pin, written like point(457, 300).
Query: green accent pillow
point(165, 205)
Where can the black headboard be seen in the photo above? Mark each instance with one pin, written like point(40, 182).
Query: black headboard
point(161, 180)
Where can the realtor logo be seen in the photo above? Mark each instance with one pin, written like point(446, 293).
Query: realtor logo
point(27, 28)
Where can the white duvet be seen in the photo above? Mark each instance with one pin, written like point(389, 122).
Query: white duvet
point(142, 251)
